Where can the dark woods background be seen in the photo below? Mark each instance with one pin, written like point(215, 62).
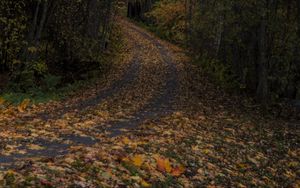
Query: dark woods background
point(48, 40)
point(250, 46)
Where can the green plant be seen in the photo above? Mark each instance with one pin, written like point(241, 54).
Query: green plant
point(50, 82)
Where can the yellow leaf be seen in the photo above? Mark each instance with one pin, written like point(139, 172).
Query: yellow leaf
point(168, 166)
point(293, 164)
point(126, 140)
point(10, 172)
point(117, 147)
point(136, 178)
point(242, 165)
point(145, 184)
point(206, 151)
point(22, 107)
point(126, 159)
point(35, 147)
point(138, 160)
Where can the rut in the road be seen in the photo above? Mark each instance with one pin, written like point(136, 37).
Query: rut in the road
point(129, 76)
point(58, 148)
point(159, 105)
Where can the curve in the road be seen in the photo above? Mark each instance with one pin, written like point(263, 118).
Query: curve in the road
point(158, 106)
point(58, 148)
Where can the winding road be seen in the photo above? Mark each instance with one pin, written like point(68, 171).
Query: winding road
point(145, 91)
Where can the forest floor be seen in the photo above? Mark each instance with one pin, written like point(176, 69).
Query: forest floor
point(155, 121)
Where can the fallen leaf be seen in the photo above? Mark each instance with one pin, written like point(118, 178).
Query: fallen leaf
point(138, 160)
point(177, 171)
point(22, 152)
point(22, 107)
point(69, 160)
point(242, 165)
point(254, 161)
point(145, 184)
point(164, 165)
point(35, 147)
point(126, 140)
point(10, 172)
point(126, 159)
point(116, 147)
point(1, 101)
point(206, 151)
point(293, 164)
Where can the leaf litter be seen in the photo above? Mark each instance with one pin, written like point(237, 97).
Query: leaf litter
point(209, 140)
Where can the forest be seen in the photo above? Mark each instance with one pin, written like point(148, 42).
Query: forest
point(149, 93)
point(50, 43)
point(248, 46)
point(252, 46)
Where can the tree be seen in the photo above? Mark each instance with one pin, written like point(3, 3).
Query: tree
point(250, 45)
point(41, 36)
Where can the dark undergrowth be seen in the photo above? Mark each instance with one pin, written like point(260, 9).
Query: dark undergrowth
point(59, 85)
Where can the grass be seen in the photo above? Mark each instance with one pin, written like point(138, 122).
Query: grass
point(49, 90)
point(39, 95)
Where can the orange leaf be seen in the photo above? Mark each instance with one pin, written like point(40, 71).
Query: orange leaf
point(22, 107)
point(1, 101)
point(178, 171)
point(164, 165)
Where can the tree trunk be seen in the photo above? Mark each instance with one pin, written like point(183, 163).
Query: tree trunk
point(42, 22)
point(106, 23)
point(137, 8)
point(129, 10)
point(34, 23)
point(93, 20)
point(219, 34)
point(189, 18)
point(262, 88)
point(298, 17)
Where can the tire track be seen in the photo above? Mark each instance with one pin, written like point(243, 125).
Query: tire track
point(116, 87)
point(160, 105)
point(61, 146)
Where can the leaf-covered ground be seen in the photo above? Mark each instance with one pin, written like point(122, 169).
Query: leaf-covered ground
point(155, 121)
